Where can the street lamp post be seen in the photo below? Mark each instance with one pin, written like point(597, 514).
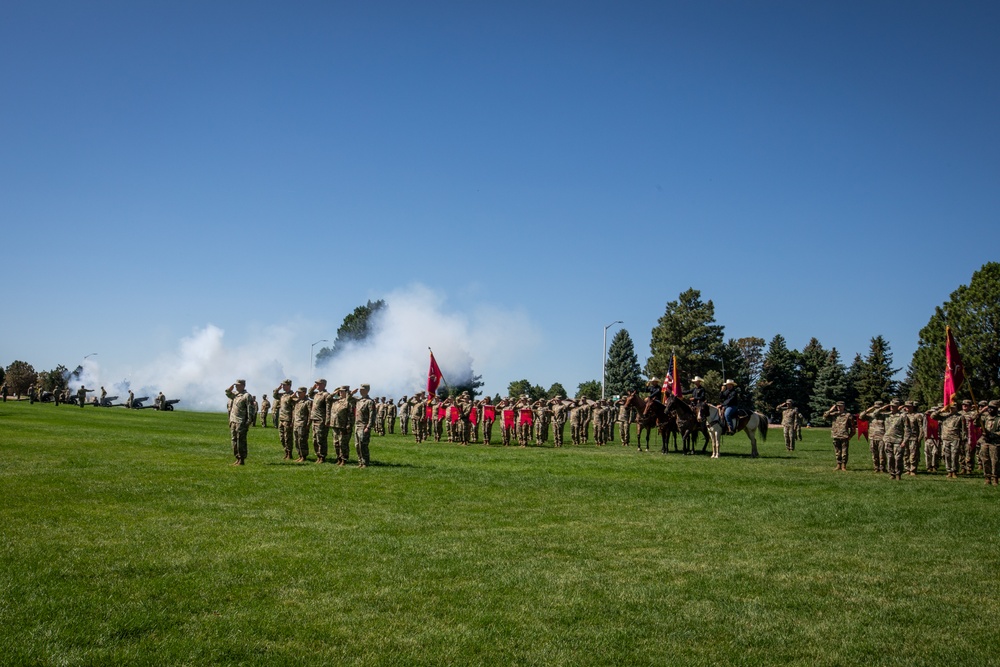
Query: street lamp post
point(312, 356)
point(604, 355)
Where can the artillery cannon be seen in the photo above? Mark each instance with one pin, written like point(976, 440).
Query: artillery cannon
point(137, 402)
point(169, 405)
point(108, 402)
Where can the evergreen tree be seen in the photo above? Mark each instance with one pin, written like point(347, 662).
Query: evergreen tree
point(853, 381)
point(556, 390)
point(749, 354)
point(973, 313)
point(687, 329)
point(830, 386)
point(875, 382)
point(590, 389)
point(356, 328)
point(621, 373)
point(777, 377)
point(811, 361)
point(518, 388)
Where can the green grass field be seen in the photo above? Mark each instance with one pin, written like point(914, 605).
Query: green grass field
point(128, 539)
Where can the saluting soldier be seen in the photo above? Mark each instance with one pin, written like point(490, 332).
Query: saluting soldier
point(319, 415)
point(301, 411)
point(239, 419)
point(916, 426)
point(265, 409)
point(989, 420)
point(876, 436)
point(969, 447)
point(404, 415)
point(283, 406)
point(842, 429)
point(364, 422)
point(952, 426)
point(560, 412)
point(789, 422)
point(341, 422)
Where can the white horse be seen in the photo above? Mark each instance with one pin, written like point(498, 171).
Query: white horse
point(750, 424)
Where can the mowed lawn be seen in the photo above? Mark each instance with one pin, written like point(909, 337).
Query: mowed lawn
point(127, 538)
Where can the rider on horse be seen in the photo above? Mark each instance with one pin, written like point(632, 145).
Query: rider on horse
point(697, 400)
point(729, 403)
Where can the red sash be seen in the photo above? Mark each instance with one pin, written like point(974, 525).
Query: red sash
point(453, 414)
point(508, 419)
point(474, 416)
point(489, 413)
point(933, 429)
point(527, 417)
point(862, 428)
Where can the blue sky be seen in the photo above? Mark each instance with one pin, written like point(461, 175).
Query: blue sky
point(244, 174)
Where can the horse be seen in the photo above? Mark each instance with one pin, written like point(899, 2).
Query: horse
point(750, 422)
point(687, 421)
point(650, 417)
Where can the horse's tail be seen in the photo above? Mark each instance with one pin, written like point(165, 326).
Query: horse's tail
point(762, 426)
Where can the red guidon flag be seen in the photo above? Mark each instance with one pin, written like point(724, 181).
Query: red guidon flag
point(434, 377)
point(862, 428)
point(954, 371)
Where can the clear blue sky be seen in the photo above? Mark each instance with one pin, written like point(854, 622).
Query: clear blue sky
point(167, 169)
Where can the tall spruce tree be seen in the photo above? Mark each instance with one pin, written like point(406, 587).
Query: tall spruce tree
point(853, 380)
point(973, 313)
point(687, 329)
point(777, 376)
point(830, 386)
point(875, 382)
point(621, 374)
point(811, 361)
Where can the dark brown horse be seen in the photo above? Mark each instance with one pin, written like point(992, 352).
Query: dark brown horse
point(650, 418)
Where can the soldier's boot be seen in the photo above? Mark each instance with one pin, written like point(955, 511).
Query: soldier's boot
point(319, 459)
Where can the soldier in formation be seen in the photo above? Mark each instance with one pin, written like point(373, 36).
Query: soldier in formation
point(789, 422)
point(841, 431)
point(239, 419)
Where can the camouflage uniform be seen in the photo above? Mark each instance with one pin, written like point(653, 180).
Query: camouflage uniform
point(239, 420)
point(841, 430)
point(895, 431)
point(404, 416)
point(789, 422)
point(543, 417)
point(506, 409)
point(364, 422)
point(301, 411)
point(624, 421)
point(285, 422)
point(876, 438)
point(390, 418)
point(916, 426)
point(265, 409)
point(320, 418)
point(952, 426)
point(968, 447)
point(990, 442)
point(341, 422)
point(932, 443)
point(559, 414)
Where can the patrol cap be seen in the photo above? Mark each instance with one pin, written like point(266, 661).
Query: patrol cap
point(302, 389)
point(879, 404)
point(982, 404)
point(908, 404)
point(895, 402)
point(286, 381)
point(345, 387)
point(320, 381)
point(365, 386)
point(240, 382)
point(791, 402)
point(841, 404)
point(994, 404)
point(967, 402)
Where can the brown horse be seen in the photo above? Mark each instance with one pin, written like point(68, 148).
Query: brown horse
point(650, 418)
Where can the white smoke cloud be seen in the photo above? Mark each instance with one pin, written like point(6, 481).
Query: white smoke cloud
point(394, 360)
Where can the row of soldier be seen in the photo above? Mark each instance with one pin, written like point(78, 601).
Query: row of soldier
point(961, 435)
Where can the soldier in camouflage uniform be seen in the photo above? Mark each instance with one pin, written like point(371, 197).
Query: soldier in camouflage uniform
point(576, 410)
point(841, 431)
point(508, 419)
point(560, 412)
point(624, 420)
point(364, 422)
point(968, 447)
point(390, 417)
point(487, 415)
point(989, 420)
point(876, 437)
point(301, 410)
point(265, 410)
point(342, 424)
point(953, 433)
point(418, 416)
point(322, 402)
point(239, 419)
point(916, 428)
point(543, 417)
point(438, 417)
point(789, 422)
point(284, 407)
point(895, 432)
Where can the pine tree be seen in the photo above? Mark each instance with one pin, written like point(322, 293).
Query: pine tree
point(876, 381)
point(973, 313)
point(687, 329)
point(556, 390)
point(777, 377)
point(830, 386)
point(621, 374)
point(811, 361)
point(853, 380)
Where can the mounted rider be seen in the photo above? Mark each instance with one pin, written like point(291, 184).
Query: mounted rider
point(729, 405)
point(698, 399)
